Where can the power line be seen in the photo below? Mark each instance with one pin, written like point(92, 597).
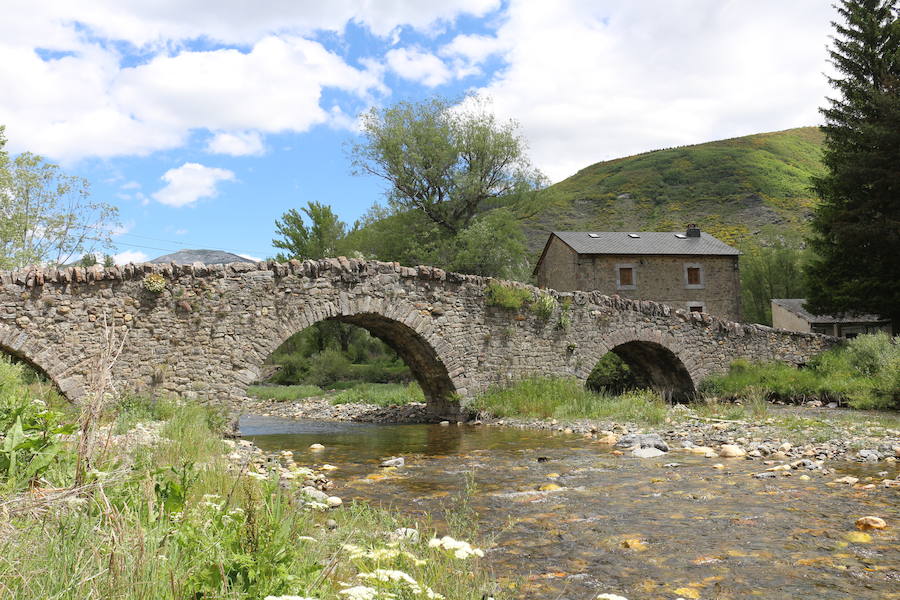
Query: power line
point(181, 245)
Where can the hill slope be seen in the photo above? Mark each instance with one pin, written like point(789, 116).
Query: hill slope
point(732, 188)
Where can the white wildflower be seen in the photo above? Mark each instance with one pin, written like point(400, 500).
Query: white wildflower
point(460, 549)
point(360, 592)
point(288, 598)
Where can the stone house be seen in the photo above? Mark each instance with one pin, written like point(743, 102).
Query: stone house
point(789, 313)
point(689, 271)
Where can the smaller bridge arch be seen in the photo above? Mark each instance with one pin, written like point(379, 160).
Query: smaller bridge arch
point(657, 357)
point(21, 346)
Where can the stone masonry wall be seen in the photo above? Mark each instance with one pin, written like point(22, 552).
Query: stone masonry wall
point(207, 334)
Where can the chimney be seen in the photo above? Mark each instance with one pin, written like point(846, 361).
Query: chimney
point(693, 230)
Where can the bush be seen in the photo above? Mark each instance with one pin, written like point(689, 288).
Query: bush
point(865, 373)
point(327, 367)
point(506, 296)
point(611, 374)
point(544, 306)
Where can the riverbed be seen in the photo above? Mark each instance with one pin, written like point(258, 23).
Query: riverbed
point(564, 517)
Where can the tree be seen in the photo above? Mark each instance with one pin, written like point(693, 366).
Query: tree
point(318, 240)
point(448, 161)
point(771, 271)
point(856, 228)
point(45, 214)
point(492, 245)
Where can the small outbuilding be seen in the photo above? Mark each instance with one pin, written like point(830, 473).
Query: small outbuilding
point(790, 314)
point(690, 271)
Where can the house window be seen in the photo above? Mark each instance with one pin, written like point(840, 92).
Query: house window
point(696, 307)
point(693, 276)
point(625, 277)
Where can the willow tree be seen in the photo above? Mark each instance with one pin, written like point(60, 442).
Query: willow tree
point(449, 161)
point(857, 225)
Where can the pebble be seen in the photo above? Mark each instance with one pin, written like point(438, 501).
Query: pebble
point(764, 475)
point(331, 524)
point(718, 466)
point(398, 461)
point(731, 451)
point(866, 523)
point(444, 423)
point(643, 440)
point(333, 501)
point(316, 447)
point(647, 452)
point(848, 480)
point(610, 597)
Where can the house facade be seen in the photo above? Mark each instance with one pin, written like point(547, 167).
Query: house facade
point(789, 313)
point(690, 271)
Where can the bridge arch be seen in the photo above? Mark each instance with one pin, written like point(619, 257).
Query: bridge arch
point(21, 346)
point(658, 357)
point(435, 363)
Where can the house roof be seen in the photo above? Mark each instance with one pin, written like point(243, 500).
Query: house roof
point(795, 306)
point(644, 242)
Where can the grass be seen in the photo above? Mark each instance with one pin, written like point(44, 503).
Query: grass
point(284, 393)
point(381, 394)
point(567, 398)
point(865, 373)
point(180, 524)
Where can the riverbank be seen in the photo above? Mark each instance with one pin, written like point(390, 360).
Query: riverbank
point(779, 433)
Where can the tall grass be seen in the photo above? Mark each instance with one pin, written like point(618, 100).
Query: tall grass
point(183, 525)
point(381, 394)
point(865, 373)
point(567, 398)
point(283, 393)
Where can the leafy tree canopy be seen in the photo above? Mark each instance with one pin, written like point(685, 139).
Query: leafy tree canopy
point(448, 161)
point(320, 239)
point(46, 216)
point(857, 225)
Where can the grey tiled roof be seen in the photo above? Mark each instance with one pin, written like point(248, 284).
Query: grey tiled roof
point(648, 242)
point(795, 305)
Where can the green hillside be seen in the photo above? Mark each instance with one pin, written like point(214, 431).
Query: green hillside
point(732, 188)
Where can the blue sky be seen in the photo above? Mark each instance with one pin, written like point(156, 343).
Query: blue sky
point(204, 121)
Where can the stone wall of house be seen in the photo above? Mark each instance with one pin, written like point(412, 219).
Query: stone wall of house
point(658, 278)
point(557, 268)
point(208, 332)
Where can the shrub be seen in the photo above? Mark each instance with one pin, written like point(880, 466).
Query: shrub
point(544, 306)
point(506, 296)
point(611, 374)
point(565, 318)
point(327, 367)
point(154, 283)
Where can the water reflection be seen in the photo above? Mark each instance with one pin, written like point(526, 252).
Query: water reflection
point(642, 528)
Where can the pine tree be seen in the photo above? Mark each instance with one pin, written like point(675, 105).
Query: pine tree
point(856, 228)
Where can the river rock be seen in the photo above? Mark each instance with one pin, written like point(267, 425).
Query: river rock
point(333, 501)
point(848, 480)
point(866, 523)
point(731, 451)
point(397, 461)
point(317, 495)
point(610, 439)
point(868, 455)
point(643, 440)
point(316, 447)
point(764, 475)
point(610, 597)
point(647, 452)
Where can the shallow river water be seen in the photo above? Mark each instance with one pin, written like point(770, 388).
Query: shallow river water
point(665, 528)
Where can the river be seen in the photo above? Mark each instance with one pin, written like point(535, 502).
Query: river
point(660, 528)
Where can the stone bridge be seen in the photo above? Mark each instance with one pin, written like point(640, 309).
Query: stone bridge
point(208, 331)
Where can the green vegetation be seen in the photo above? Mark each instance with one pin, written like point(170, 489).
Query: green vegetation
point(175, 520)
point(506, 296)
point(857, 226)
point(772, 270)
point(865, 374)
point(382, 394)
point(283, 393)
point(48, 217)
point(544, 306)
point(612, 375)
point(567, 398)
point(731, 188)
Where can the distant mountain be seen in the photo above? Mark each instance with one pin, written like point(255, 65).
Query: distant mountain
point(207, 257)
point(733, 188)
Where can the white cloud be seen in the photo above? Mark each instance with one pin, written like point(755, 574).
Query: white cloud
point(242, 143)
point(417, 65)
point(181, 231)
point(131, 185)
point(130, 256)
point(84, 102)
point(590, 81)
point(190, 182)
point(250, 257)
point(121, 229)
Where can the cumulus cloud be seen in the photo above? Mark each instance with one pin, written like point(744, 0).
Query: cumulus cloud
point(130, 256)
point(242, 143)
point(590, 81)
point(191, 182)
point(417, 65)
point(73, 97)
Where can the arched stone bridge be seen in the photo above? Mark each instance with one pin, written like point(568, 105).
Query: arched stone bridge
point(209, 331)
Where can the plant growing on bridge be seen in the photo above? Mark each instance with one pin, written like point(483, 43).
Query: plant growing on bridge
point(544, 306)
point(506, 296)
point(154, 283)
point(565, 318)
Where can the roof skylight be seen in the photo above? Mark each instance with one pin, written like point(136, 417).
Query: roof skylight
point(633, 235)
point(681, 236)
point(593, 235)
